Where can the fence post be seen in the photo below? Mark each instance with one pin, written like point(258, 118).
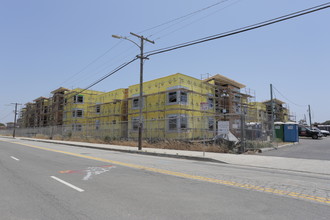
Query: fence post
point(243, 143)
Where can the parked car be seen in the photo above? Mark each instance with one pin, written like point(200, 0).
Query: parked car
point(307, 132)
point(324, 132)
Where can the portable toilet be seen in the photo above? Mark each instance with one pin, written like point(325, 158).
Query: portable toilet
point(279, 130)
point(291, 132)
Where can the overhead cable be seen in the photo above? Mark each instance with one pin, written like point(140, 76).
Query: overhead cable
point(240, 30)
point(162, 24)
point(6, 115)
point(186, 25)
point(184, 16)
point(107, 75)
point(289, 99)
point(217, 36)
point(92, 62)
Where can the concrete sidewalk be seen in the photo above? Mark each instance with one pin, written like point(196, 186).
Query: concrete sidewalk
point(292, 164)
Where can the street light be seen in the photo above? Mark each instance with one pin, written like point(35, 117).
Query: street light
point(141, 57)
point(117, 36)
point(125, 38)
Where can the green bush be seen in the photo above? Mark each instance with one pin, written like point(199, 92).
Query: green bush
point(107, 139)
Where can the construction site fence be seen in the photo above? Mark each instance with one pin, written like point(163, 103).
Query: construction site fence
point(204, 129)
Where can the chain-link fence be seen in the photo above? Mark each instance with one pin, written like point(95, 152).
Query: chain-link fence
point(208, 129)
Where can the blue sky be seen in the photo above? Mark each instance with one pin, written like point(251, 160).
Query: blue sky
point(48, 44)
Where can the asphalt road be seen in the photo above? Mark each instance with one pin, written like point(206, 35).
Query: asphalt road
point(48, 181)
point(307, 148)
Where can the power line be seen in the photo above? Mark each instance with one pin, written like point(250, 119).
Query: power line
point(6, 115)
point(165, 23)
point(103, 67)
point(107, 75)
point(112, 72)
point(184, 16)
point(162, 24)
point(92, 62)
point(240, 30)
point(289, 99)
point(218, 36)
point(182, 27)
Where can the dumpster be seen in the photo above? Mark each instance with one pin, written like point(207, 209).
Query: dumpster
point(279, 131)
point(291, 132)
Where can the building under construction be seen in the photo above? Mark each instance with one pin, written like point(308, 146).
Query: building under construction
point(41, 118)
point(173, 107)
point(27, 116)
point(231, 103)
point(44, 111)
point(56, 106)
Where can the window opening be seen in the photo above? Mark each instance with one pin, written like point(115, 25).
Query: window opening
point(135, 103)
point(78, 99)
point(135, 124)
point(172, 97)
point(98, 109)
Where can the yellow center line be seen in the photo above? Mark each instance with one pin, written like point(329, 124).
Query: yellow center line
point(189, 176)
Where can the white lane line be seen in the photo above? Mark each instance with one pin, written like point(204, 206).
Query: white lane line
point(14, 158)
point(68, 184)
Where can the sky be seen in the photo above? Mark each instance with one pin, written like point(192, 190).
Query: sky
point(47, 44)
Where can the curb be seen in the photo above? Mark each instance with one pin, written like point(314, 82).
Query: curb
point(133, 151)
point(195, 158)
point(262, 150)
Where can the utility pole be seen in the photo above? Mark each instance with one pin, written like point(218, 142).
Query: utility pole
point(14, 131)
point(272, 112)
point(310, 118)
point(142, 58)
point(142, 39)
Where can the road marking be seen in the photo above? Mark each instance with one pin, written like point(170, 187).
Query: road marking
point(68, 184)
point(90, 171)
point(188, 176)
point(14, 158)
point(93, 171)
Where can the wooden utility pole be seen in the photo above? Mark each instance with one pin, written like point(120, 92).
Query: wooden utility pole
point(310, 118)
point(15, 117)
point(142, 58)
